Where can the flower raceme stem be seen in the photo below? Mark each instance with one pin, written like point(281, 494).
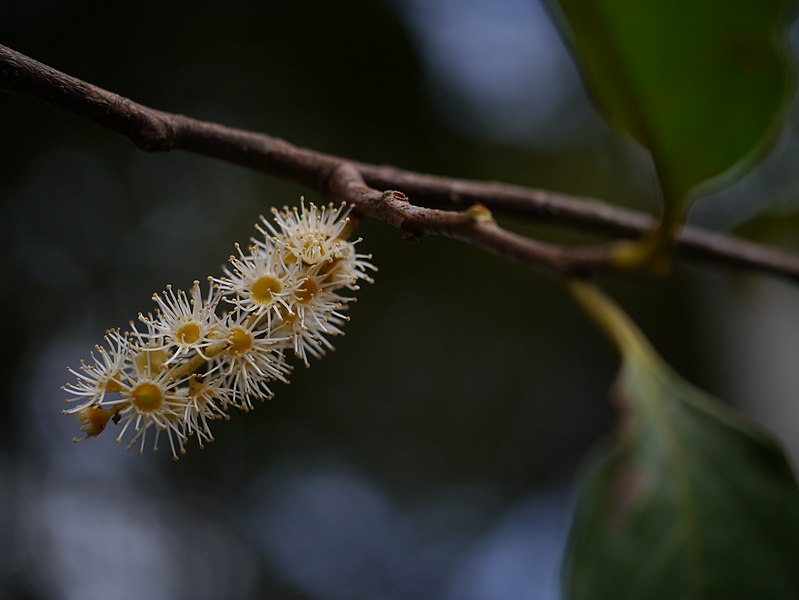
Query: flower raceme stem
point(198, 354)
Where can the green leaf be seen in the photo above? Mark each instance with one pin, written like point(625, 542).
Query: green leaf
point(700, 83)
point(689, 501)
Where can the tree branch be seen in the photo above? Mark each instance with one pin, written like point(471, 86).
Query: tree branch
point(359, 183)
point(474, 225)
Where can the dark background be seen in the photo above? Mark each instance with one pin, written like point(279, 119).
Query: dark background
point(435, 453)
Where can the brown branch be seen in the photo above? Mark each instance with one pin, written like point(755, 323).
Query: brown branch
point(475, 225)
point(338, 178)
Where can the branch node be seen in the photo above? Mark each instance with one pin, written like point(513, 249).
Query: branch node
point(480, 214)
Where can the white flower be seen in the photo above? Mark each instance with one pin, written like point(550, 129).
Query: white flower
point(150, 397)
point(251, 360)
point(206, 400)
point(346, 267)
point(101, 376)
point(310, 341)
point(184, 366)
point(307, 234)
point(183, 323)
point(315, 314)
point(261, 283)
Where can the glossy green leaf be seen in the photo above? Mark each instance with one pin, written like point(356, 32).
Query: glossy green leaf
point(700, 83)
point(689, 501)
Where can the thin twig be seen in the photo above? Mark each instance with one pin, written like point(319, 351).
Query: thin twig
point(153, 130)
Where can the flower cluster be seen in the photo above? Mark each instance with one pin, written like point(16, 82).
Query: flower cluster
point(200, 353)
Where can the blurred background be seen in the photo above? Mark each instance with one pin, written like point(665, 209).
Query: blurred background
point(435, 453)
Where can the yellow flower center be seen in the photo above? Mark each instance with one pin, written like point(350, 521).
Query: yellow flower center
point(309, 289)
point(264, 289)
point(188, 333)
point(147, 397)
point(240, 341)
